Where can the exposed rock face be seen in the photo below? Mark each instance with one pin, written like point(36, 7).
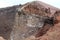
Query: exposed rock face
point(27, 22)
point(7, 17)
point(32, 18)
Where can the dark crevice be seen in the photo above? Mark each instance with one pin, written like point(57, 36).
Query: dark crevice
point(48, 24)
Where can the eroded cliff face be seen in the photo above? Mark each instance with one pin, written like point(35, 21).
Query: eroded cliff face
point(7, 17)
point(31, 21)
point(34, 20)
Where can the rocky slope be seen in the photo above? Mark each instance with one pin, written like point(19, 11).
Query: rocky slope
point(31, 21)
point(42, 9)
point(7, 17)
